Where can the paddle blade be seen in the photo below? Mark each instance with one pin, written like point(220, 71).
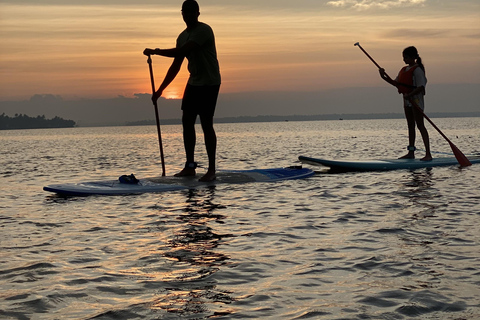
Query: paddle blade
point(461, 158)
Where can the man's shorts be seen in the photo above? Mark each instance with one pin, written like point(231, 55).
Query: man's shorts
point(200, 100)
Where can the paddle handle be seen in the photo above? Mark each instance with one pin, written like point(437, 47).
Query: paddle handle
point(366, 53)
point(157, 118)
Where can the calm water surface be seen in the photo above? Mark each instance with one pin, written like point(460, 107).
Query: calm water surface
point(389, 245)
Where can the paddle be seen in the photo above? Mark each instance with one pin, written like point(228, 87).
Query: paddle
point(461, 158)
point(152, 80)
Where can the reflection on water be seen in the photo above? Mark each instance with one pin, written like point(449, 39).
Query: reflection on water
point(383, 245)
point(192, 289)
point(420, 191)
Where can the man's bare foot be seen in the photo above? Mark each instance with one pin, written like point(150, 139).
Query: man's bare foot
point(186, 172)
point(409, 155)
point(209, 176)
point(427, 158)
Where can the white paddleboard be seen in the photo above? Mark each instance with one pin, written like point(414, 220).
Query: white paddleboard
point(383, 165)
point(162, 184)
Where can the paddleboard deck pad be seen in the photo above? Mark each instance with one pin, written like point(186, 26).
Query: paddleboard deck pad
point(383, 165)
point(124, 186)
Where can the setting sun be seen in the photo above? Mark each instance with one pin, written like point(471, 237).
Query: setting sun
point(173, 93)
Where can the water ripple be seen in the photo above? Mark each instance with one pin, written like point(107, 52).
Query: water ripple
point(385, 245)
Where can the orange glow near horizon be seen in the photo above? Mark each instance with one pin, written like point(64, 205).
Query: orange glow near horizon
point(96, 50)
point(173, 93)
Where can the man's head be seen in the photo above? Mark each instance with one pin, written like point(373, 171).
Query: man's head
point(190, 12)
point(191, 6)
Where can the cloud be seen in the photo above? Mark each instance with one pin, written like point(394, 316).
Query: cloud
point(372, 4)
point(473, 35)
point(417, 33)
point(120, 110)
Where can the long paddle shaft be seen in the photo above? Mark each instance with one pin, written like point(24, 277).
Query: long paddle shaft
point(152, 80)
point(461, 158)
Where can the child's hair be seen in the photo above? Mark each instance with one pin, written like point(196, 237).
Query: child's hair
point(412, 52)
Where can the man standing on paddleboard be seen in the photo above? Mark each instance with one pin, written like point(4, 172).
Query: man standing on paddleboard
point(197, 44)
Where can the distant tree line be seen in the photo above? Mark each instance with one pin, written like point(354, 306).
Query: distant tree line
point(22, 121)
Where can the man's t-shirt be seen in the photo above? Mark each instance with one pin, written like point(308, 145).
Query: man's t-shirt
point(202, 63)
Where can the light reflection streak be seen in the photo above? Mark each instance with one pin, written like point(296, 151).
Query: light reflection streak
point(195, 260)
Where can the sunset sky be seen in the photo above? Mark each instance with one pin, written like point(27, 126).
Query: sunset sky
point(93, 49)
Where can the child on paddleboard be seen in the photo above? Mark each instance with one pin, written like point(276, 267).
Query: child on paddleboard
point(411, 82)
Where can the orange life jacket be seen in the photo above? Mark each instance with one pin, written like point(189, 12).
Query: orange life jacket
point(406, 77)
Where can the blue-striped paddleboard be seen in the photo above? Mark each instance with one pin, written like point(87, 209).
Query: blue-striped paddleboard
point(384, 164)
point(163, 184)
